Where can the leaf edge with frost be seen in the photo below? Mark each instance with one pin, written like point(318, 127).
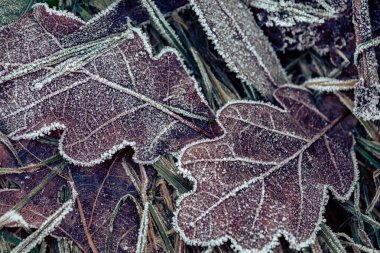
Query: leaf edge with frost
point(280, 232)
point(53, 126)
point(228, 59)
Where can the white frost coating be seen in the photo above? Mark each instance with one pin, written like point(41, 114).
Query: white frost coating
point(362, 47)
point(45, 130)
point(77, 62)
point(367, 90)
point(104, 12)
point(165, 50)
point(233, 63)
point(128, 171)
point(13, 216)
point(62, 13)
point(143, 230)
point(329, 84)
point(296, 12)
point(65, 54)
point(161, 23)
point(45, 229)
point(280, 232)
point(370, 111)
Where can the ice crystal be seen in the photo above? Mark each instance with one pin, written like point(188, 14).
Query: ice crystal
point(269, 174)
point(238, 39)
point(104, 94)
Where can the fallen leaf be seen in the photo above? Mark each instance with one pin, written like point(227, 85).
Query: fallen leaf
point(104, 94)
point(268, 175)
point(238, 39)
point(105, 196)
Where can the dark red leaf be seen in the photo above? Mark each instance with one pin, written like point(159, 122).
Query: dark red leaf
point(268, 175)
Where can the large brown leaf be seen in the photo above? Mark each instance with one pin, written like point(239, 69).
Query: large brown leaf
point(269, 175)
point(105, 94)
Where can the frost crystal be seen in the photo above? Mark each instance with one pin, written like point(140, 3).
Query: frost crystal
point(105, 94)
point(235, 34)
point(268, 175)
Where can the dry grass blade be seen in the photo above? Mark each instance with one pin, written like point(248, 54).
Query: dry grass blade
point(5, 140)
point(8, 218)
point(329, 84)
point(332, 240)
point(45, 229)
point(31, 167)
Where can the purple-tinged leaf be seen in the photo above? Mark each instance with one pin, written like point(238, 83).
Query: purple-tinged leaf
point(268, 175)
point(231, 27)
point(104, 194)
point(105, 94)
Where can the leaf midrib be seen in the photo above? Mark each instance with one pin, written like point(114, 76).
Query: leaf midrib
point(269, 172)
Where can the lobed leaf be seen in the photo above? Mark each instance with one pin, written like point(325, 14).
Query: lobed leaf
point(239, 40)
point(104, 94)
point(269, 174)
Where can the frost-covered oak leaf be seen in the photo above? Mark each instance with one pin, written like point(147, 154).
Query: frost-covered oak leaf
point(104, 94)
point(238, 39)
point(269, 175)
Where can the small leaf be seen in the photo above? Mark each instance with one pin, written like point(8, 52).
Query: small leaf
point(111, 219)
point(104, 94)
point(239, 40)
point(269, 174)
point(107, 210)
